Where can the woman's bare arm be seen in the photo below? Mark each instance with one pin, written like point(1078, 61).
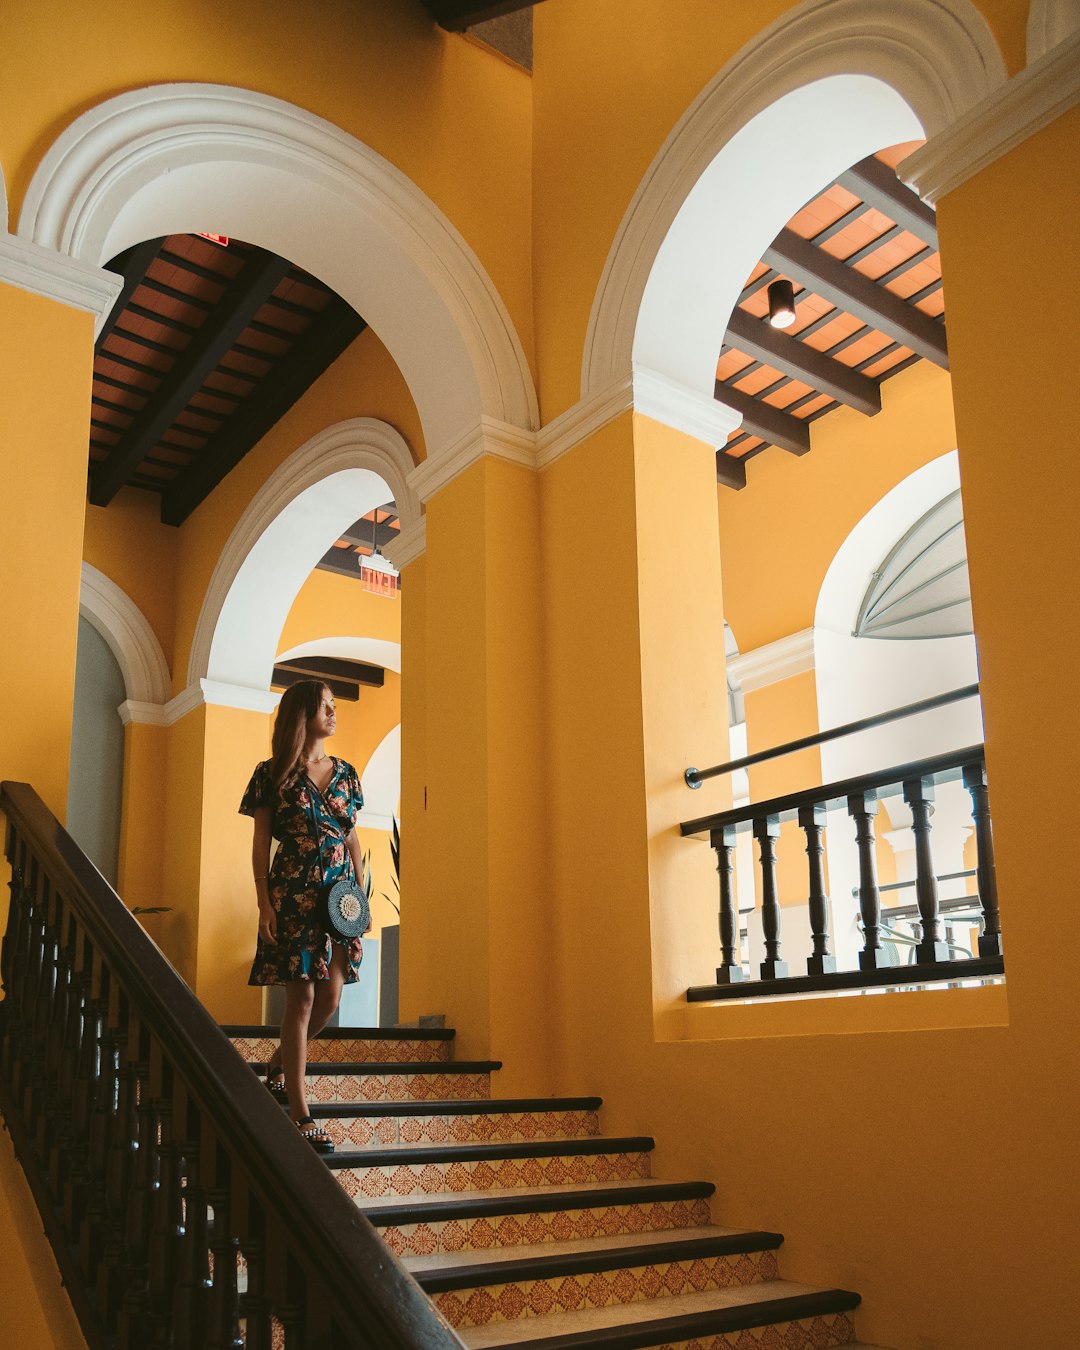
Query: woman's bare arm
point(260, 868)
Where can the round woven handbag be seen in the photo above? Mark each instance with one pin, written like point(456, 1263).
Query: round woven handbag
point(348, 912)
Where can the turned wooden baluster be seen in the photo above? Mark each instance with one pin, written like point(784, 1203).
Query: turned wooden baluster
point(730, 970)
point(145, 1182)
point(919, 795)
point(990, 937)
point(17, 913)
point(224, 1310)
point(812, 822)
point(766, 832)
point(291, 1316)
point(167, 1232)
point(863, 807)
point(191, 1299)
point(254, 1305)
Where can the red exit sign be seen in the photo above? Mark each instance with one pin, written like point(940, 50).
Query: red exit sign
point(222, 239)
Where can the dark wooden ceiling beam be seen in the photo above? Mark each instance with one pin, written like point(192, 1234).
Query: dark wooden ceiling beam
point(879, 186)
point(267, 405)
point(343, 690)
point(757, 338)
point(858, 295)
point(335, 668)
point(761, 419)
point(132, 266)
point(241, 302)
point(457, 15)
point(730, 471)
point(384, 534)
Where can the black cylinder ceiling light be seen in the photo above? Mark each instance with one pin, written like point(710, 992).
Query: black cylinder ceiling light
point(782, 303)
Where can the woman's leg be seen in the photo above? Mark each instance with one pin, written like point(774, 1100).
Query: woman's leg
point(328, 991)
point(299, 1001)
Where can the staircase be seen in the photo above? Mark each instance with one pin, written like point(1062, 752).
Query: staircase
point(525, 1225)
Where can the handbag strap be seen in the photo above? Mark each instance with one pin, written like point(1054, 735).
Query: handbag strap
point(315, 826)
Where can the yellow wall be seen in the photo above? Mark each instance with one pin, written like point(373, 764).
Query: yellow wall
point(330, 605)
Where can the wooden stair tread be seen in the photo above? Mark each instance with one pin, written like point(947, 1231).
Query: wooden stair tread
point(459, 1106)
point(621, 1327)
point(418, 1154)
point(502, 1265)
point(375, 1067)
point(524, 1199)
point(350, 1033)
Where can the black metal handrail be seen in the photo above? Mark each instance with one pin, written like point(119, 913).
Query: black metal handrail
point(695, 777)
point(859, 795)
point(149, 1143)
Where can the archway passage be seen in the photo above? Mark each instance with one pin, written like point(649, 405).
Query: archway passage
point(190, 157)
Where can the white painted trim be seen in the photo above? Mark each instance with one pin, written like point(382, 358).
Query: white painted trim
point(1005, 119)
point(583, 420)
point(43, 271)
point(697, 414)
point(410, 544)
point(381, 776)
point(186, 701)
point(487, 438)
point(175, 157)
point(146, 714)
point(217, 694)
point(1050, 22)
point(374, 820)
point(360, 443)
point(375, 651)
point(128, 635)
point(773, 662)
point(938, 55)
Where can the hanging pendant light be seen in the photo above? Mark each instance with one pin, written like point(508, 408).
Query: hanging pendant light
point(781, 303)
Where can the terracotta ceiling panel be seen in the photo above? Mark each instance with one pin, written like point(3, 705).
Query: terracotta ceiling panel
point(787, 394)
point(916, 277)
point(757, 380)
point(898, 250)
point(893, 154)
point(822, 212)
point(872, 224)
point(730, 363)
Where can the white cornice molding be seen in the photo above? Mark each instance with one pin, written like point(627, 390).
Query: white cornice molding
point(696, 413)
point(775, 661)
point(583, 420)
point(488, 438)
point(212, 693)
point(409, 545)
point(374, 820)
point(144, 714)
point(42, 271)
point(128, 635)
point(1003, 120)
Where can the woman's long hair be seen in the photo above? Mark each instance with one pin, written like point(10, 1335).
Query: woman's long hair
point(299, 704)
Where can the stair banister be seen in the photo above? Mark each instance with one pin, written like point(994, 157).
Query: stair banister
point(345, 1288)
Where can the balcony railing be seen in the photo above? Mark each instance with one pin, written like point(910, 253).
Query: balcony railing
point(184, 1210)
point(858, 797)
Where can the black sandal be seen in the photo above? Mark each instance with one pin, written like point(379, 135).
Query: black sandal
point(275, 1084)
point(316, 1136)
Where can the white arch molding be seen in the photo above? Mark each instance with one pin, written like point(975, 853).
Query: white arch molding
point(828, 82)
point(1050, 22)
point(325, 485)
point(178, 157)
point(128, 636)
point(381, 780)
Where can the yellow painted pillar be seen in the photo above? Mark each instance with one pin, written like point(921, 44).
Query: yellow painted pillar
point(46, 354)
point(140, 878)
point(476, 859)
point(635, 692)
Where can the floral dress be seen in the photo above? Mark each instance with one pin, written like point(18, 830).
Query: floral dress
point(303, 946)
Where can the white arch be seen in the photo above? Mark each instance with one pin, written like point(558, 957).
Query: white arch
point(179, 157)
point(381, 778)
point(332, 480)
point(375, 651)
point(849, 573)
point(828, 82)
point(1050, 22)
point(128, 635)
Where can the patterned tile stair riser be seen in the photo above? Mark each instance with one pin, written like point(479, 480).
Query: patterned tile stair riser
point(600, 1289)
point(506, 1174)
point(526, 1225)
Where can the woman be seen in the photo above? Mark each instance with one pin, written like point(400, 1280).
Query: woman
point(308, 801)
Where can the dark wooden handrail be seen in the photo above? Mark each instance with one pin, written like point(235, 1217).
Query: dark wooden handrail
point(942, 768)
point(366, 1294)
point(695, 777)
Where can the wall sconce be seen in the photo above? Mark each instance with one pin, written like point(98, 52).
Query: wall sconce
point(782, 303)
